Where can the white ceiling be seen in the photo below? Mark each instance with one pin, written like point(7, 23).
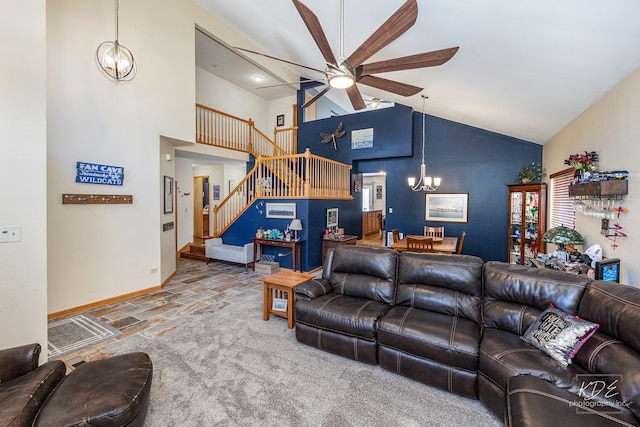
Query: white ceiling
point(524, 69)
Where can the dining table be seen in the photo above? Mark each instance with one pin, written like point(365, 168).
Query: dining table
point(445, 245)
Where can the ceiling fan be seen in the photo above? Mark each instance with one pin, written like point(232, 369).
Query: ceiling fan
point(343, 73)
point(376, 102)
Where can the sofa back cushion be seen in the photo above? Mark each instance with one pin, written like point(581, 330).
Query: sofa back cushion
point(515, 295)
point(365, 272)
point(446, 284)
point(613, 353)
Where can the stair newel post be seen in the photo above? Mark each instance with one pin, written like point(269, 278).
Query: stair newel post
point(307, 181)
point(251, 129)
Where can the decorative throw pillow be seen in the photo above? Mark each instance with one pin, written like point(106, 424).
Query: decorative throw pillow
point(559, 334)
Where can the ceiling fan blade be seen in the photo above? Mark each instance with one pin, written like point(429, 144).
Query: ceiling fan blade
point(392, 86)
point(313, 25)
point(421, 60)
point(279, 59)
point(316, 97)
point(394, 27)
point(356, 98)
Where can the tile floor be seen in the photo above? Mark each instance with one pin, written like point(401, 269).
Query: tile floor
point(197, 289)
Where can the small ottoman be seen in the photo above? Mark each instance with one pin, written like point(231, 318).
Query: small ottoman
point(108, 392)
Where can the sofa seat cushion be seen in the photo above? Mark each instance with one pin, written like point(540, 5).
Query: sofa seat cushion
point(534, 402)
point(228, 253)
point(340, 313)
point(504, 355)
point(451, 340)
point(22, 397)
point(110, 392)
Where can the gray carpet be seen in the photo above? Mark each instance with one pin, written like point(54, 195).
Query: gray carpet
point(76, 332)
point(233, 368)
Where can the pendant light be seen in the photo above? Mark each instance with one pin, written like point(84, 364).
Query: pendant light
point(426, 183)
point(115, 60)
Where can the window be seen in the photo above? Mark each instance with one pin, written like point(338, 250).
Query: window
point(561, 210)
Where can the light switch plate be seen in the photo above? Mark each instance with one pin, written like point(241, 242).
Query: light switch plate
point(10, 233)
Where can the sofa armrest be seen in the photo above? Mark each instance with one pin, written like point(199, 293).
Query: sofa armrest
point(248, 252)
point(18, 361)
point(213, 242)
point(312, 288)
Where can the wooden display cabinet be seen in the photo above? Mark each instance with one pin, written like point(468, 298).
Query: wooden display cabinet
point(527, 215)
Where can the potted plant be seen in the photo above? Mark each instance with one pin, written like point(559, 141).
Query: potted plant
point(530, 173)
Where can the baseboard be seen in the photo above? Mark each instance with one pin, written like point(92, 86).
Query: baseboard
point(93, 305)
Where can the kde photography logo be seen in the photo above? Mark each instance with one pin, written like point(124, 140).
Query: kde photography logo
point(600, 394)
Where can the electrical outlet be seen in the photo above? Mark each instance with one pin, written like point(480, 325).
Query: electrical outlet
point(10, 233)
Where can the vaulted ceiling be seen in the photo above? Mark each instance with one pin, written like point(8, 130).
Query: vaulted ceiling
point(524, 69)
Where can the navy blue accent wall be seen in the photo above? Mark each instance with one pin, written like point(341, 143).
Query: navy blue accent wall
point(469, 160)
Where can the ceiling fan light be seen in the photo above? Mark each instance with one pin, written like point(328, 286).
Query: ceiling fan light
point(341, 81)
point(375, 103)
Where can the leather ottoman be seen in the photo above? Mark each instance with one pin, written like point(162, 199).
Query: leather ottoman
point(115, 392)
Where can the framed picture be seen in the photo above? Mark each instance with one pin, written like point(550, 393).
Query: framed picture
point(216, 192)
point(279, 304)
point(447, 207)
point(232, 185)
point(378, 192)
point(280, 120)
point(281, 210)
point(332, 217)
point(168, 194)
point(361, 138)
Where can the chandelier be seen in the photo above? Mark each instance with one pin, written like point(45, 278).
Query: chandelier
point(426, 183)
point(115, 60)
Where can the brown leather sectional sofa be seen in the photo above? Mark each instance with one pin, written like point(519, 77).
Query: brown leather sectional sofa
point(455, 322)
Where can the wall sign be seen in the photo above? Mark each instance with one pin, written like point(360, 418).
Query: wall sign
point(93, 173)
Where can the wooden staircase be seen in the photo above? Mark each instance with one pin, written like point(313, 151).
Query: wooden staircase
point(278, 173)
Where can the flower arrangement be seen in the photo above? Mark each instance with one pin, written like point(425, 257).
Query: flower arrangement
point(586, 162)
point(529, 174)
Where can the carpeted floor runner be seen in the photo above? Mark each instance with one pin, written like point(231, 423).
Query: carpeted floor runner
point(76, 332)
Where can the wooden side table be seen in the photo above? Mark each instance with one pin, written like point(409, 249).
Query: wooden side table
point(278, 287)
point(294, 245)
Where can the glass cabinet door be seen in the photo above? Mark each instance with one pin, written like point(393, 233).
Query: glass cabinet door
point(526, 222)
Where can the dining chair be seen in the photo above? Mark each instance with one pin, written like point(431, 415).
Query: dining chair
point(433, 231)
point(419, 244)
point(396, 235)
point(464, 234)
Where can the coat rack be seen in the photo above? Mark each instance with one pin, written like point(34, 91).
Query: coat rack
point(97, 199)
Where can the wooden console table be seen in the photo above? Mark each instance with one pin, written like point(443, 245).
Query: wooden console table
point(330, 242)
point(294, 245)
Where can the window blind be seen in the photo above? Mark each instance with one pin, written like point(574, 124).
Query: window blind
point(561, 211)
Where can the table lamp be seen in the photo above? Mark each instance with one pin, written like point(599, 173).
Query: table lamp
point(562, 236)
point(295, 226)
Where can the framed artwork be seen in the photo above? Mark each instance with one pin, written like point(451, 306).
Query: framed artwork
point(279, 304)
point(447, 207)
point(332, 217)
point(280, 120)
point(361, 138)
point(216, 192)
point(232, 185)
point(168, 194)
point(281, 210)
point(378, 192)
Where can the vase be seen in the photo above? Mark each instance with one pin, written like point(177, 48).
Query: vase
point(526, 180)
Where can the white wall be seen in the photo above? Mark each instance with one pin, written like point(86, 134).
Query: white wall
point(23, 265)
point(184, 208)
point(99, 252)
point(612, 129)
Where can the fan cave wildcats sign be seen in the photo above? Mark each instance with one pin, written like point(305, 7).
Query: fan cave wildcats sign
point(92, 173)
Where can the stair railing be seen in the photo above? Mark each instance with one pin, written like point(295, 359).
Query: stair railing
point(288, 177)
point(220, 129)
